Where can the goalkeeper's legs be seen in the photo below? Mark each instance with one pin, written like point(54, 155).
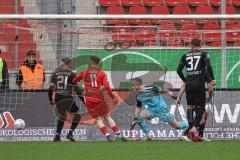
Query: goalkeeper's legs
point(142, 118)
point(175, 124)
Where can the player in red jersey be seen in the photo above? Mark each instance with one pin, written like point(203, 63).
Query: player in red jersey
point(94, 78)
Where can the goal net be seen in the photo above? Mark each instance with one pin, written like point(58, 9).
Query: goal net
point(151, 52)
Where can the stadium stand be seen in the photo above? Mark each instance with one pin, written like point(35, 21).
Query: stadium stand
point(138, 10)
point(153, 2)
point(15, 36)
point(198, 2)
point(236, 3)
point(115, 10)
point(160, 10)
point(217, 3)
point(109, 2)
point(176, 2)
point(131, 2)
point(182, 10)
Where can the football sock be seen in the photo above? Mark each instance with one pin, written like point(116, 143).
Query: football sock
point(60, 124)
point(183, 125)
point(104, 131)
point(201, 129)
point(190, 121)
point(115, 129)
point(75, 122)
point(143, 124)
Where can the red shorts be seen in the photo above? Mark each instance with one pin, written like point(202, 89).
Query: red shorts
point(97, 109)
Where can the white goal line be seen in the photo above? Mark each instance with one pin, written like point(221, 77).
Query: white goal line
point(109, 17)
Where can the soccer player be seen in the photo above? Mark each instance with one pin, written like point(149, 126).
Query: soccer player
point(197, 64)
point(94, 78)
point(61, 94)
point(156, 106)
point(200, 115)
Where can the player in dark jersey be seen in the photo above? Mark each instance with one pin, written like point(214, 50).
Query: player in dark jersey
point(61, 94)
point(197, 64)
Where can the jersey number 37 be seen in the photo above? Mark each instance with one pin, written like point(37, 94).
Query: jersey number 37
point(192, 62)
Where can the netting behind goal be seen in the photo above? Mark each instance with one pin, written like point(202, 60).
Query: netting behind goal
point(149, 52)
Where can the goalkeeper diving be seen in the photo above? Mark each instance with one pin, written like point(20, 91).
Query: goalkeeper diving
point(151, 96)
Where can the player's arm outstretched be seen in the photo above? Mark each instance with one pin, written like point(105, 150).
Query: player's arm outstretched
point(166, 91)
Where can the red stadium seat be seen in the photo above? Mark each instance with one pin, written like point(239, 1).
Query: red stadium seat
point(237, 44)
point(145, 34)
point(236, 3)
point(229, 10)
point(216, 44)
point(198, 2)
point(154, 2)
point(109, 2)
point(188, 36)
point(205, 10)
point(189, 27)
point(233, 36)
point(160, 10)
point(233, 26)
point(7, 10)
point(152, 43)
point(217, 3)
point(211, 26)
point(174, 44)
point(115, 10)
point(122, 33)
point(182, 10)
point(167, 27)
point(212, 37)
point(132, 2)
point(138, 10)
point(168, 36)
point(3, 38)
point(176, 2)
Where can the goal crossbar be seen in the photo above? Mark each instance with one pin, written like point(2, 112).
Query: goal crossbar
point(112, 17)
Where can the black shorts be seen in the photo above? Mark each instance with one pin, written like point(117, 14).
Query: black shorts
point(195, 93)
point(64, 105)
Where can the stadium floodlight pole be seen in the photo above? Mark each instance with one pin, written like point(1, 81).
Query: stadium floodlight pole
point(112, 17)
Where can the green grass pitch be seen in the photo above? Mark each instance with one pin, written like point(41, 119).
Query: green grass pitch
point(138, 150)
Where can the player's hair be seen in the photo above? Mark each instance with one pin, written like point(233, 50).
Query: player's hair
point(95, 59)
point(139, 80)
point(31, 53)
point(66, 61)
point(196, 42)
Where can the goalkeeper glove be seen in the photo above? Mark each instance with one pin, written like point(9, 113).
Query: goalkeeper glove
point(132, 125)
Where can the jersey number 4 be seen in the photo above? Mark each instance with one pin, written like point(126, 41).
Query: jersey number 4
point(193, 62)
